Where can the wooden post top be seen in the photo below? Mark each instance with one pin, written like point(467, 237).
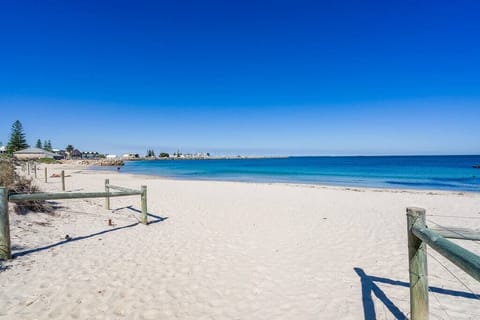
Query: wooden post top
point(415, 211)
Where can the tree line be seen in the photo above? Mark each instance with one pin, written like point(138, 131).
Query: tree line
point(151, 154)
point(47, 145)
point(18, 141)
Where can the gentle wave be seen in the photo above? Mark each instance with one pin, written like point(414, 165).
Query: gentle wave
point(409, 172)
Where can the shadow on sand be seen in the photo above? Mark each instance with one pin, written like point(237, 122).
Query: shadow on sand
point(369, 286)
point(2, 267)
point(156, 218)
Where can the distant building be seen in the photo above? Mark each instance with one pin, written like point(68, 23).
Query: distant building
point(111, 156)
point(198, 155)
point(90, 155)
point(76, 154)
point(60, 152)
point(130, 156)
point(35, 153)
point(63, 153)
point(3, 149)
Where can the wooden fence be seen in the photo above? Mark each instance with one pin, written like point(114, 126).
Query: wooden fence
point(6, 196)
point(419, 236)
point(33, 166)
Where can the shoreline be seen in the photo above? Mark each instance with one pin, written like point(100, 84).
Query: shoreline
point(299, 184)
point(240, 157)
point(458, 178)
point(434, 173)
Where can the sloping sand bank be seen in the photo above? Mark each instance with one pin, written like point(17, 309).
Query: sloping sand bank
point(228, 250)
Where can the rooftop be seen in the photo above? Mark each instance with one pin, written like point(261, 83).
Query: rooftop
point(33, 150)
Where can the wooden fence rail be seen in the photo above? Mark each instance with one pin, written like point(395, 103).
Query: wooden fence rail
point(457, 233)
point(123, 189)
point(419, 236)
point(5, 197)
point(19, 197)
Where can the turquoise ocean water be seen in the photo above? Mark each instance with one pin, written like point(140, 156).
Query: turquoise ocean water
point(404, 172)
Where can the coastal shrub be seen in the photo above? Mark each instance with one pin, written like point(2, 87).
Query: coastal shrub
point(25, 185)
point(47, 160)
point(7, 172)
point(19, 184)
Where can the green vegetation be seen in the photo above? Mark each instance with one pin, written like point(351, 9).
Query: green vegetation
point(69, 149)
point(164, 155)
point(47, 145)
point(17, 138)
point(7, 171)
point(150, 154)
point(19, 184)
point(47, 160)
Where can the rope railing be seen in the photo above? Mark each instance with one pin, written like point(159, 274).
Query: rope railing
point(19, 197)
point(419, 236)
point(6, 196)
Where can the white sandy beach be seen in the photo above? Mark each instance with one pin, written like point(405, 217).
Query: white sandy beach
point(229, 250)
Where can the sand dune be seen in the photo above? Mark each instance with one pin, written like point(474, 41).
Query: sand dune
point(228, 250)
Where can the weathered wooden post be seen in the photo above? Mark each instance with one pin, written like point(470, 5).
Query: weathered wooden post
point(46, 174)
point(417, 256)
point(144, 218)
point(107, 199)
point(35, 169)
point(28, 167)
point(63, 180)
point(5, 250)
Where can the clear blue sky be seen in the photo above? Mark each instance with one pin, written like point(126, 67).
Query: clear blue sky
point(255, 77)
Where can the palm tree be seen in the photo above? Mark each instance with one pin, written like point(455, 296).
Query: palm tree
point(69, 150)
